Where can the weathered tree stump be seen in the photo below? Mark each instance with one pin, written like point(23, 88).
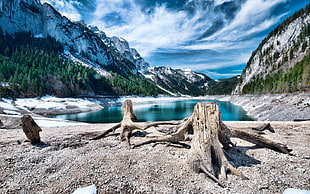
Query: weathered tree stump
point(210, 134)
point(31, 129)
point(127, 124)
point(210, 137)
point(206, 152)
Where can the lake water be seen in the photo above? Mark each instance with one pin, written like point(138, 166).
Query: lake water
point(158, 111)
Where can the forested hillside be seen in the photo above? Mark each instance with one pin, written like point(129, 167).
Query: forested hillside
point(31, 66)
point(294, 79)
point(223, 86)
point(281, 61)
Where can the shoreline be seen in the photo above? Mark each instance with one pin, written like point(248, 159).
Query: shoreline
point(67, 160)
point(273, 107)
point(265, 107)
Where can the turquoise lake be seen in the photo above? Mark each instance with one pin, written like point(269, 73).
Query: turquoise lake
point(158, 111)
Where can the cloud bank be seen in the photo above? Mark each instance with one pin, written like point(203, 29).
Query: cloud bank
point(67, 8)
point(208, 36)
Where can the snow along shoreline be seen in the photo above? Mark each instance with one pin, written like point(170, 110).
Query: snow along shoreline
point(48, 105)
point(276, 107)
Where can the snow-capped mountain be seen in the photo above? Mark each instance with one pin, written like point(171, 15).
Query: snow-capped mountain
point(179, 81)
point(278, 53)
point(121, 46)
point(80, 40)
point(91, 47)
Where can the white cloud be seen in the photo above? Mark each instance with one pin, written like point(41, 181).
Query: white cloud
point(253, 17)
point(66, 8)
point(221, 45)
point(220, 75)
point(213, 65)
point(161, 29)
point(219, 2)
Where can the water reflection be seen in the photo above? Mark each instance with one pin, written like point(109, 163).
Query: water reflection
point(159, 111)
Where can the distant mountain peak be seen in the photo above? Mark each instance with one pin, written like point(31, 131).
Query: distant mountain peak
point(179, 81)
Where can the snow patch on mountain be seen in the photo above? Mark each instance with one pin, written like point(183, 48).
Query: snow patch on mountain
point(178, 81)
point(86, 43)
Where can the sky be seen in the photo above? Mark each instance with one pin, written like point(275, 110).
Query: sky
point(214, 37)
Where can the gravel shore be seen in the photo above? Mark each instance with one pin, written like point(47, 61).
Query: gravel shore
point(67, 160)
point(273, 107)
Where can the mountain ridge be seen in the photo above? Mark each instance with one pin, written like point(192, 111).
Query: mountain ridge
point(77, 38)
point(127, 73)
point(84, 44)
point(179, 82)
point(281, 61)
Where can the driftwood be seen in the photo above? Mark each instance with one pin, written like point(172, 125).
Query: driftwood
point(31, 129)
point(205, 154)
point(127, 125)
point(264, 127)
point(112, 129)
point(210, 137)
point(259, 140)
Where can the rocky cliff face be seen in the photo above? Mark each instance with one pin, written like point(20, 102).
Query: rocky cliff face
point(178, 81)
point(284, 47)
point(122, 47)
point(80, 40)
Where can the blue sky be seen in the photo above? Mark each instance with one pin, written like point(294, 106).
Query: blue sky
point(215, 37)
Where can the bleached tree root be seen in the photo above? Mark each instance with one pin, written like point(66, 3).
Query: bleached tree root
point(264, 127)
point(210, 134)
point(210, 137)
point(250, 136)
point(206, 150)
point(112, 129)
